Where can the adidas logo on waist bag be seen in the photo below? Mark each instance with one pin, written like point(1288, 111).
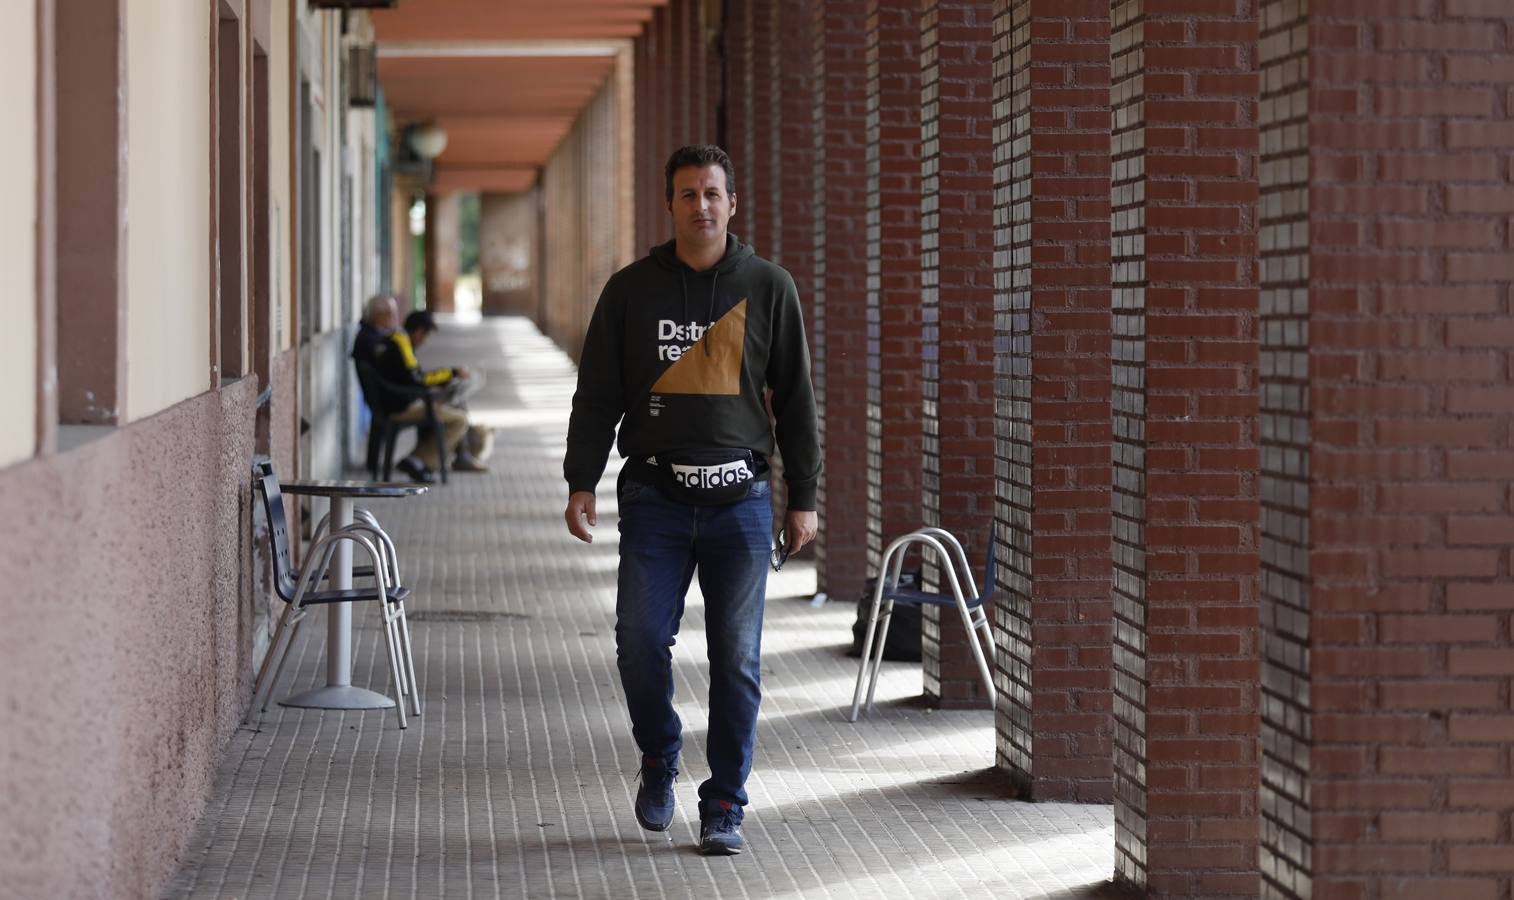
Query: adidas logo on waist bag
point(705, 476)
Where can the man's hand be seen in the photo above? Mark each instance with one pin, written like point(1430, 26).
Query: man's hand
point(581, 507)
point(459, 372)
point(799, 527)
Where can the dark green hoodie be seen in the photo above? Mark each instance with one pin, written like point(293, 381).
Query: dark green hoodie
point(679, 359)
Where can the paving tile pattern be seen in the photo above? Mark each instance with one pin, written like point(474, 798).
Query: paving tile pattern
point(517, 780)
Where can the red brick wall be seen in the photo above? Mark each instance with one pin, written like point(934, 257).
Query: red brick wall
point(956, 221)
point(840, 303)
point(1052, 422)
point(1410, 163)
point(1185, 311)
point(893, 272)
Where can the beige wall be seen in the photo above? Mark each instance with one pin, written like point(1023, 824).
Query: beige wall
point(168, 204)
point(280, 177)
point(123, 669)
point(18, 236)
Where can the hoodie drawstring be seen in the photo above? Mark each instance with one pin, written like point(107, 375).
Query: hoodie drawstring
point(709, 316)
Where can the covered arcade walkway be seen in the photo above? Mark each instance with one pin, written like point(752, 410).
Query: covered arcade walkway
point(517, 781)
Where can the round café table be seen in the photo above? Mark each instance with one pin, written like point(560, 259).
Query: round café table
point(338, 692)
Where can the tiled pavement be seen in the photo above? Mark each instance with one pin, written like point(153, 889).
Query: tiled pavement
point(517, 781)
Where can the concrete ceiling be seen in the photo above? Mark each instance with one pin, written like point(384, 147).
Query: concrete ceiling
point(504, 78)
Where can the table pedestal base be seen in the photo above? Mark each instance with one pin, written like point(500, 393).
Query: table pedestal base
point(339, 697)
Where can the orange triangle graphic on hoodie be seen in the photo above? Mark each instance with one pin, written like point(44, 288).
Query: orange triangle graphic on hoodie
point(717, 371)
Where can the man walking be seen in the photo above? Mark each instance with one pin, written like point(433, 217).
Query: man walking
point(678, 352)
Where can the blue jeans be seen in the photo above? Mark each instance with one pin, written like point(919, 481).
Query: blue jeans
point(662, 543)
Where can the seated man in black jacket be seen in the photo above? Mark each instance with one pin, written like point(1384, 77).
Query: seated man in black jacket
point(390, 352)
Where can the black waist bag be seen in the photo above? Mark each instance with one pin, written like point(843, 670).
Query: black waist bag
point(711, 476)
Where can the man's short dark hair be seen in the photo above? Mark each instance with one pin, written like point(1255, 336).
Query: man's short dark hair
point(420, 320)
point(700, 155)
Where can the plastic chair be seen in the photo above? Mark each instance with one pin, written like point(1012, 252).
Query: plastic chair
point(383, 431)
point(971, 604)
point(298, 589)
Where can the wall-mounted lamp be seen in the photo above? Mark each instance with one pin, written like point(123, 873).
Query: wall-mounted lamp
point(428, 141)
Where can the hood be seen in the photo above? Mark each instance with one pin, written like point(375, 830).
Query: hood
point(735, 254)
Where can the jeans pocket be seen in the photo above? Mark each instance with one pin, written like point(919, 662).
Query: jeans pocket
point(631, 490)
point(760, 488)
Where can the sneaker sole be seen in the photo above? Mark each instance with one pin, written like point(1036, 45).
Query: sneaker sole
point(650, 825)
point(708, 849)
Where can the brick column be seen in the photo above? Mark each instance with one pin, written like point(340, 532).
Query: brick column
point(791, 88)
point(794, 92)
point(956, 114)
point(1185, 409)
point(1388, 450)
point(1052, 421)
point(739, 103)
point(893, 272)
point(655, 112)
point(682, 93)
point(644, 140)
point(442, 257)
point(839, 190)
point(668, 60)
point(759, 185)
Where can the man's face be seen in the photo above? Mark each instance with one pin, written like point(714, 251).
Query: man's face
point(419, 336)
point(701, 207)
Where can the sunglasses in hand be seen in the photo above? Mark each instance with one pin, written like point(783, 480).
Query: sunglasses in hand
point(780, 553)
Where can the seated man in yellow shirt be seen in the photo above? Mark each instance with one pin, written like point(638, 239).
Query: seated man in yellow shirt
point(400, 364)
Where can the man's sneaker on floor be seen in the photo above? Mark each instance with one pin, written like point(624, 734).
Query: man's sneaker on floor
point(654, 799)
point(417, 470)
point(468, 464)
point(720, 829)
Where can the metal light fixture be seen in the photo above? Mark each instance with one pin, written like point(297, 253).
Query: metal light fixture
point(362, 77)
point(428, 141)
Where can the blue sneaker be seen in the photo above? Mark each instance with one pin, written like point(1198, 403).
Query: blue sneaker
point(654, 799)
point(720, 829)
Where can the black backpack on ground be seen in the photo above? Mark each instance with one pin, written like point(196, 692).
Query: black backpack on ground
point(903, 644)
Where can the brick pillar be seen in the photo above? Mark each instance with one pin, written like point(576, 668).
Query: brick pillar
point(1185, 408)
point(738, 111)
point(685, 94)
point(442, 257)
point(956, 115)
point(646, 163)
point(1052, 421)
point(759, 184)
point(668, 61)
point(1388, 450)
point(793, 151)
point(655, 112)
point(893, 272)
point(840, 291)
